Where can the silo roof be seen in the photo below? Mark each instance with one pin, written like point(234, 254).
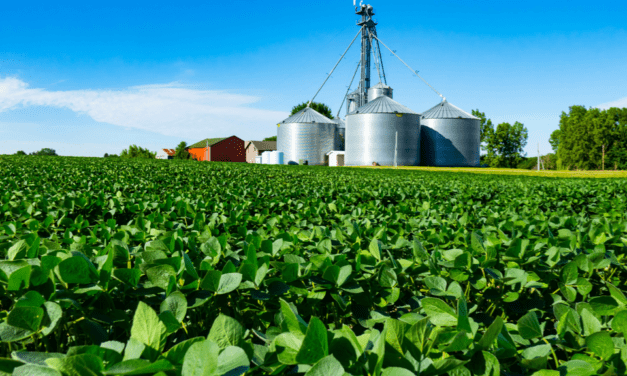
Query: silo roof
point(445, 110)
point(308, 115)
point(380, 85)
point(341, 123)
point(383, 105)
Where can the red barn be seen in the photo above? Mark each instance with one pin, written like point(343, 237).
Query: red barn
point(229, 149)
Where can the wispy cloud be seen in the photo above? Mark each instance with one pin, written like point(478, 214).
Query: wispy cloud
point(169, 109)
point(620, 103)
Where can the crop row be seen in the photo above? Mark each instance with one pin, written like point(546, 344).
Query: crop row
point(127, 268)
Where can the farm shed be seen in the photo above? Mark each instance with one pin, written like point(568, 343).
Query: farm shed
point(336, 158)
point(226, 149)
point(255, 148)
point(166, 154)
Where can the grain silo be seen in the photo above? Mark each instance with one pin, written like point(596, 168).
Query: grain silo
point(451, 137)
point(341, 133)
point(308, 136)
point(378, 90)
point(383, 131)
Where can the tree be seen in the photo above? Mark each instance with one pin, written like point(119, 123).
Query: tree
point(181, 151)
point(273, 138)
point(20, 152)
point(135, 151)
point(45, 151)
point(554, 140)
point(320, 107)
point(506, 145)
point(487, 129)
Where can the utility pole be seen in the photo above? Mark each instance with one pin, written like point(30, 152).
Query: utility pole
point(603, 163)
point(538, 157)
point(207, 151)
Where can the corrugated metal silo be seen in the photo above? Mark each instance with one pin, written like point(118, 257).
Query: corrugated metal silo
point(341, 133)
point(378, 90)
point(371, 134)
point(451, 137)
point(307, 135)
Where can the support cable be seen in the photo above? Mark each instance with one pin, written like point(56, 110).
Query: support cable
point(336, 64)
point(348, 90)
point(385, 81)
point(410, 68)
point(374, 54)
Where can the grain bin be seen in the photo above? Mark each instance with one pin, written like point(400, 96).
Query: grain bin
point(451, 137)
point(341, 133)
point(371, 134)
point(378, 90)
point(306, 135)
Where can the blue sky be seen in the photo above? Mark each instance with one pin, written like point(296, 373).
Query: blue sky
point(88, 79)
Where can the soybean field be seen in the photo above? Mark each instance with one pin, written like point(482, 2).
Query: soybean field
point(123, 267)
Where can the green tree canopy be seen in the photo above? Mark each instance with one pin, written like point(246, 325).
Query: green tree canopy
point(585, 134)
point(272, 138)
point(320, 107)
point(181, 151)
point(20, 152)
point(506, 145)
point(44, 151)
point(554, 140)
point(135, 151)
point(487, 129)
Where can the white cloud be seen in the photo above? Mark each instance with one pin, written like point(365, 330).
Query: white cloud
point(170, 109)
point(620, 103)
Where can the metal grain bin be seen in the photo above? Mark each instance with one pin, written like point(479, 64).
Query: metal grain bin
point(371, 134)
point(451, 137)
point(308, 136)
point(378, 90)
point(341, 133)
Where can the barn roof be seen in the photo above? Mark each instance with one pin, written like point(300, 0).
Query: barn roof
point(263, 145)
point(211, 141)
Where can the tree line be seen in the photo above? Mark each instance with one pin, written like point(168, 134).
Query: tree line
point(504, 144)
point(591, 139)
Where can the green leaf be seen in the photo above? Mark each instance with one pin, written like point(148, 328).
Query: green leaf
point(7, 366)
point(139, 367)
point(569, 273)
point(294, 324)
point(233, 361)
point(590, 323)
point(226, 331)
point(315, 345)
point(160, 275)
point(147, 328)
point(327, 366)
point(395, 333)
point(375, 249)
point(546, 372)
point(75, 270)
point(396, 371)
point(600, 344)
point(30, 299)
point(577, 368)
point(388, 277)
point(18, 250)
point(463, 323)
point(603, 305)
point(344, 275)
point(491, 334)
point(9, 333)
point(176, 354)
point(78, 365)
point(617, 294)
point(177, 304)
point(529, 327)
point(229, 282)
point(211, 282)
point(439, 312)
point(35, 370)
point(128, 276)
point(619, 322)
point(201, 359)
point(28, 318)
